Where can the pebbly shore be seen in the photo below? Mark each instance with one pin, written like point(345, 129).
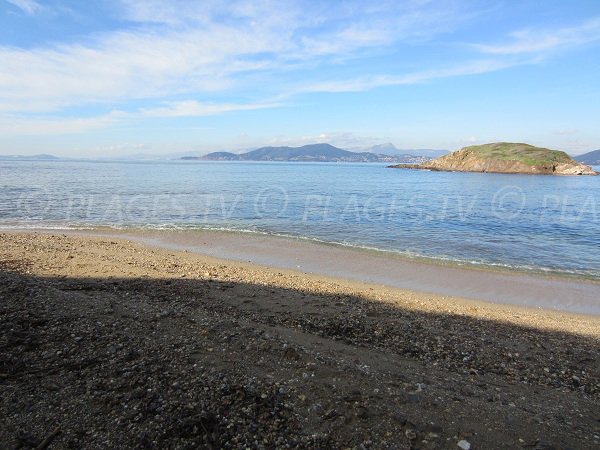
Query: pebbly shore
point(105, 343)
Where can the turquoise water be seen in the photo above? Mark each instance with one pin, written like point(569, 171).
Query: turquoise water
point(538, 223)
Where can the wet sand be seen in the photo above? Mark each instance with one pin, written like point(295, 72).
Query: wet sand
point(496, 286)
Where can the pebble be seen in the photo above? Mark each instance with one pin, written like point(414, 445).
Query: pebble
point(465, 445)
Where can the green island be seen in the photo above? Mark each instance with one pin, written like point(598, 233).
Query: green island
point(505, 157)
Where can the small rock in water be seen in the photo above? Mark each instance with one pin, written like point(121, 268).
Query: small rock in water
point(465, 445)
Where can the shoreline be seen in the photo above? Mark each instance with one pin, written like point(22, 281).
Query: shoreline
point(406, 256)
point(549, 319)
point(503, 287)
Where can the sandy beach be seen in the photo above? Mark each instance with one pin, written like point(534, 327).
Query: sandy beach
point(113, 342)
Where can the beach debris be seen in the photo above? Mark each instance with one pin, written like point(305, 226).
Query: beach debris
point(465, 445)
point(48, 440)
point(410, 434)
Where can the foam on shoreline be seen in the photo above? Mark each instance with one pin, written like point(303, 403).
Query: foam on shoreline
point(410, 256)
point(501, 287)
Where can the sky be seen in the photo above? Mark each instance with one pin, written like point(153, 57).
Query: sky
point(122, 77)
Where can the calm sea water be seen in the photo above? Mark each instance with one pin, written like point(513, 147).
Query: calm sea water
point(539, 223)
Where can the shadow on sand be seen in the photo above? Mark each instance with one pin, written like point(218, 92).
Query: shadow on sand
point(188, 363)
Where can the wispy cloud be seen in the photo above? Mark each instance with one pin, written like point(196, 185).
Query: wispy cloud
point(367, 83)
point(566, 131)
point(54, 126)
point(202, 48)
point(342, 139)
point(536, 41)
point(192, 108)
point(125, 66)
point(29, 7)
point(18, 125)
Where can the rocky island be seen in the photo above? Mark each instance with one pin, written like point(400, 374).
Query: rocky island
point(506, 157)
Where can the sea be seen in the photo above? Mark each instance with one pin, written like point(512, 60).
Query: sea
point(528, 223)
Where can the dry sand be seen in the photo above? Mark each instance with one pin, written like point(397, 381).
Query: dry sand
point(475, 282)
point(123, 345)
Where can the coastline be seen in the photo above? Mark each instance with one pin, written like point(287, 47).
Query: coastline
point(119, 344)
point(481, 283)
point(140, 232)
point(331, 265)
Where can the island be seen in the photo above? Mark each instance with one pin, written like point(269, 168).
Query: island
point(307, 153)
point(505, 157)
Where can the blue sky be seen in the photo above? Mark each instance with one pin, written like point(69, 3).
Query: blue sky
point(118, 77)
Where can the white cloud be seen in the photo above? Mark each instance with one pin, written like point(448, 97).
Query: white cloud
point(203, 48)
point(23, 125)
point(192, 108)
point(121, 148)
point(29, 7)
point(27, 125)
point(341, 139)
point(183, 13)
point(368, 83)
point(536, 41)
point(36, 126)
point(566, 131)
point(125, 66)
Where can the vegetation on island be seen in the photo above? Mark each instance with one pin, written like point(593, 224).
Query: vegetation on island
point(525, 153)
point(506, 157)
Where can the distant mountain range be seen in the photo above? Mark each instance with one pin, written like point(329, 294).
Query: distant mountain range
point(315, 152)
point(590, 158)
point(390, 149)
point(43, 157)
point(306, 153)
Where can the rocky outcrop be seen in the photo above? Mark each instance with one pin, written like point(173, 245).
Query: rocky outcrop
point(506, 158)
point(574, 168)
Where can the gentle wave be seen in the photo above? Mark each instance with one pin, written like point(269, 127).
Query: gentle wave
point(409, 255)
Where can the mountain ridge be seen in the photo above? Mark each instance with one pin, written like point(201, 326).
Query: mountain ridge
point(40, 157)
point(321, 152)
point(590, 158)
